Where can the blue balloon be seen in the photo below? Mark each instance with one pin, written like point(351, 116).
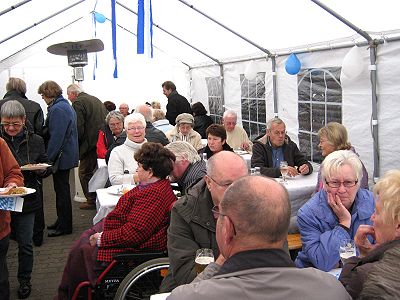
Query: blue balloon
point(293, 64)
point(99, 17)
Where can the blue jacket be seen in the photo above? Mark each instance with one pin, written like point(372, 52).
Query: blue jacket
point(320, 230)
point(63, 134)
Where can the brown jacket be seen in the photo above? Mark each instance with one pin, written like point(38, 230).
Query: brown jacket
point(9, 173)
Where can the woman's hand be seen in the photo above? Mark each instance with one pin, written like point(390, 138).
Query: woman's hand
point(8, 187)
point(93, 238)
point(340, 211)
point(361, 239)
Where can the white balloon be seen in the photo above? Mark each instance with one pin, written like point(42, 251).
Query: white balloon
point(251, 72)
point(352, 65)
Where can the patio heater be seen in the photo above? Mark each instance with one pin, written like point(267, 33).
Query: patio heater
point(77, 54)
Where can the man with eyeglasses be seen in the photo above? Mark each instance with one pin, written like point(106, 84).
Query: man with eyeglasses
point(276, 146)
point(91, 114)
point(192, 222)
point(236, 136)
point(251, 232)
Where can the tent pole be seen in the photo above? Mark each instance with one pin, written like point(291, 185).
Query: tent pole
point(14, 7)
point(372, 56)
point(41, 21)
point(221, 71)
point(174, 36)
point(274, 90)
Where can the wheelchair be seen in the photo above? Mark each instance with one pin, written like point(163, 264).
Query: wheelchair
point(130, 276)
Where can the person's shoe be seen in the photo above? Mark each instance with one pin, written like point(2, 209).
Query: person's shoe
point(53, 226)
point(59, 232)
point(38, 240)
point(24, 289)
point(87, 206)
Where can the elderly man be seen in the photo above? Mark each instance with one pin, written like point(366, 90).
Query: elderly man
point(188, 167)
point(236, 136)
point(275, 146)
point(251, 231)
point(152, 134)
point(91, 114)
point(124, 109)
point(177, 104)
point(192, 223)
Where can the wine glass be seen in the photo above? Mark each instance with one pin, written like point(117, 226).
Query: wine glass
point(284, 170)
point(347, 249)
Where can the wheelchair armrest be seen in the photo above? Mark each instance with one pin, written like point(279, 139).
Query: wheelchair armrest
point(139, 258)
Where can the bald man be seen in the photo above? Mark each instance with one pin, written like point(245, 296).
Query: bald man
point(251, 231)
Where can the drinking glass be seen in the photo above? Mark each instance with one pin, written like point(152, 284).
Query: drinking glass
point(284, 170)
point(204, 256)
point(347, 249)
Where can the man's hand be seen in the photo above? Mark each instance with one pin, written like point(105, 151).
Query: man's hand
point(304, 169)
point(292, 171)
point(339, 210)
point(245, 146)
point(361, 239)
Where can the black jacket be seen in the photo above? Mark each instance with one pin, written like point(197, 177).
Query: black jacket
point(20, 145)
point(33, 110)
point(201, 123)
point(262, 156)
point(176, 105)
point(155, 135)
point(206, 149)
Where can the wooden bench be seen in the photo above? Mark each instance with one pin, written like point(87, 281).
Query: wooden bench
point(294, 241)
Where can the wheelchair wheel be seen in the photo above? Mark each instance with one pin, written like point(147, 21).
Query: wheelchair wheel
point(144, 280)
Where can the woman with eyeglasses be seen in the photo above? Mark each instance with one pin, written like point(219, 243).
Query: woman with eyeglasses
point(121, 163)
point(335, 212)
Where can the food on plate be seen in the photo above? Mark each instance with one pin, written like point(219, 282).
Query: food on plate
point(16, 191)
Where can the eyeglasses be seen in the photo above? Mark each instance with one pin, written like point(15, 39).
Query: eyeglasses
point(112, 125)
point(135, 128)
point(13, 124)
point(217, 213)
point(337, 184)
point(223, 185)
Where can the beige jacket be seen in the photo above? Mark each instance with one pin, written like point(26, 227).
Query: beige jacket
point(193, 138)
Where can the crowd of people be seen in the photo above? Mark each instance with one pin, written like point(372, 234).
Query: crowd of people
point(247, 231)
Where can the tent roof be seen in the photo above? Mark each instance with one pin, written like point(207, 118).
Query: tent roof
point(270, 24)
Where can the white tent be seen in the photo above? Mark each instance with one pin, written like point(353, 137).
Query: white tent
point(316, 95)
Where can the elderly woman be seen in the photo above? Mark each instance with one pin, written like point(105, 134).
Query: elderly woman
point(121, 163)
point(333, 137)
point(109, 133)
point(27, 148)
point(138, 223)
point(335, 212)
point(216, 140)
point(183, 131)
point(385, 231)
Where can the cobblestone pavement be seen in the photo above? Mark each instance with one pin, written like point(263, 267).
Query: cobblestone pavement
point(50, 258)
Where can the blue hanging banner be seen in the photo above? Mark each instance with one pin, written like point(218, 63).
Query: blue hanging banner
point(145, 28)
point(114, 37)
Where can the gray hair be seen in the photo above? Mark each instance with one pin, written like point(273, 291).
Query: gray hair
point(133, 118)
point(264, 213)
point(275, 120)
point(334, 161)
point(184, 150)
point(114, 114)
point(146, 111)
point(158, 114)
point(16, 84)
point(74, 88)
point(229, 113)
point(12, 109)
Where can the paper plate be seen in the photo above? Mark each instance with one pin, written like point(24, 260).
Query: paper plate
point(117, 189)
point(27, 192)
point(32, 167)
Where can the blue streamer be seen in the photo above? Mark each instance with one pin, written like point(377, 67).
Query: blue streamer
point(140, 27)
point(114, 37)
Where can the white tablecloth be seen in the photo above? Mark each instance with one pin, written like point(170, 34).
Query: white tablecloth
point(100, 177)
point(105, 202)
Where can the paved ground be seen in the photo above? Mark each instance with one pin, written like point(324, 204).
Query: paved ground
point(50, 258)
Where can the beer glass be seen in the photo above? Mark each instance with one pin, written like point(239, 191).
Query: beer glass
point(203, 257)
point(284, 170)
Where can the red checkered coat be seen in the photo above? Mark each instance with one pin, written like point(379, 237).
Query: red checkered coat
point(139, 222)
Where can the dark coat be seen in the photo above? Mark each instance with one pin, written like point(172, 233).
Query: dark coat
point(90, 114)
point(33, 110)
point(20, 146)
point(201, 123)
point(262, 156)
point(155, 135)
point(177, 104)
point(206, 149)
point(355, 270)
point(62, 134)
